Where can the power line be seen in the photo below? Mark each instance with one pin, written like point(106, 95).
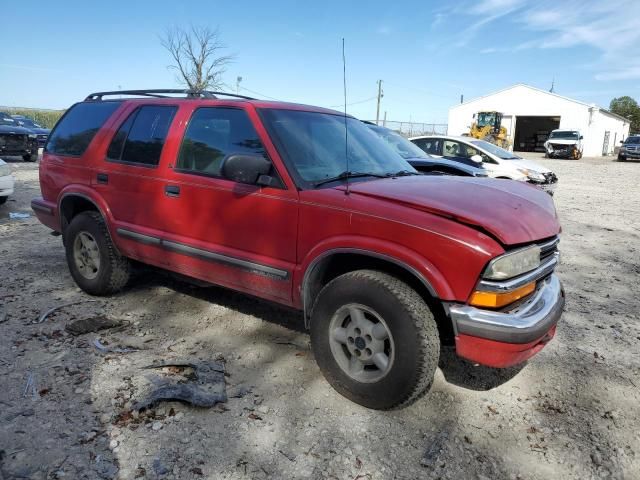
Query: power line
point(353, 103)
point(261, 94)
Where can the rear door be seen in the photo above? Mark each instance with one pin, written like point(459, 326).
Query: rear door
point(236, 235)
point(128, 177)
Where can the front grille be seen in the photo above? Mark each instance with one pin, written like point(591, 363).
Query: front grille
point(632, 148)
point(548, 248)
point(14, 140)
point(559, 147)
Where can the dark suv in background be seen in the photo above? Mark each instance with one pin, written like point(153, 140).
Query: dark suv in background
point(16, 140)
point(630, 149)
point(39, 130)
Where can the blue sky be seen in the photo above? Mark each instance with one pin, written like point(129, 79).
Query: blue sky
point(426, 53)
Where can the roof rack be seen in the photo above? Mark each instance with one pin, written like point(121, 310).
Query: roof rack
point(162, 93)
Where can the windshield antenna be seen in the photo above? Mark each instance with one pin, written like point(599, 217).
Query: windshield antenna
point(346, 132)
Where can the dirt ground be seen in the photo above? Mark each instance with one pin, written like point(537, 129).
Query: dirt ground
point(573, 412)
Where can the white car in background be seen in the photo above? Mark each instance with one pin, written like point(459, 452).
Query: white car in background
point(498, 162)
point(6, 182)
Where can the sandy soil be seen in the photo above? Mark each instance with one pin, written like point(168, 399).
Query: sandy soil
point(573, 412)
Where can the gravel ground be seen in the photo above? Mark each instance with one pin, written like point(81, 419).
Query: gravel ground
point(573, 412)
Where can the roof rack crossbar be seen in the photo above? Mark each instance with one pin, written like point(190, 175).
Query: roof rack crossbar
point(161, 93)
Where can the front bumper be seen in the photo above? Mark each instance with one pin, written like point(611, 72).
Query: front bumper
point(6, 186)
point(505, 338)
point(633, 155)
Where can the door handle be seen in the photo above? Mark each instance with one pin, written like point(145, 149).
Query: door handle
point(102, 178)
point(172, 190)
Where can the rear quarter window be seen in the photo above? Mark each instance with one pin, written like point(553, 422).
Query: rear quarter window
point(73, 133)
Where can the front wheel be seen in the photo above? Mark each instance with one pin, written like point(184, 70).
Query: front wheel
point(93, 260)
point(375, 339)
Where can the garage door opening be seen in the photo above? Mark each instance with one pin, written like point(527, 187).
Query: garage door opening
point(532, 132)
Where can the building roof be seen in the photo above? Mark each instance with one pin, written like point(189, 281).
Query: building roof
point(539, 90)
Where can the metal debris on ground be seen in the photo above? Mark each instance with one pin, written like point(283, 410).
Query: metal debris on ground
point(106, 349)
point(18, 216)
point(205, 387)
point(30, 387)
point(45, 314)
point(92, 324)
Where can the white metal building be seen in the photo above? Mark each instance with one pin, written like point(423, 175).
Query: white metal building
point(531, 113)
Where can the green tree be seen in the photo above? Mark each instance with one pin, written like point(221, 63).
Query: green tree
point(627, 107)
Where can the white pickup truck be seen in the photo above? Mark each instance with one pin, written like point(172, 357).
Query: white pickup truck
point(564, 144)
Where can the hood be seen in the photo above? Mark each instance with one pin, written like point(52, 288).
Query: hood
point(529, 165)
point(40, 131)
point(510, 211)
point(562, 141)
point(16, 129)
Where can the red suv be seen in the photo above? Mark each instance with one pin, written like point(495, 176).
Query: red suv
point(307, 207)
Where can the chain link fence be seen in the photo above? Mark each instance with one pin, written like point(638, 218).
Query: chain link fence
point(415, 129)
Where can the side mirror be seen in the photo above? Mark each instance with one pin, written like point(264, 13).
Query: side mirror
point(621, 141)
point(476, 158)
point(581, 137)
point(246, 168)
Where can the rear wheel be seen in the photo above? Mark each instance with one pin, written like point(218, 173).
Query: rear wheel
point(93, 261)
point(375, 339)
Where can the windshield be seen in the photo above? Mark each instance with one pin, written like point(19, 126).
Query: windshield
point(28, 122)
point(634, 140)
point(495, 150)
point(401, 145)
point(486, 118)
point(314, 145)
point(566, 135)
point(5, 120)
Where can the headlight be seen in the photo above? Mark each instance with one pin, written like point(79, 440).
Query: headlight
point(532, 174)
point(513, 264)
point(33, 135)
point(5, 170)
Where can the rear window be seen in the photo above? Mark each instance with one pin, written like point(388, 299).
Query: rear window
point(73, 133)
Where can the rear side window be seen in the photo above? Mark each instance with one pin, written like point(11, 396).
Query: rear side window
point(432, 146)
point(140, 139)
point(74, 132)
point(214, 133)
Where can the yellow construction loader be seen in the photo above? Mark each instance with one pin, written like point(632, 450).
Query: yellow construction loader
point(488, 127)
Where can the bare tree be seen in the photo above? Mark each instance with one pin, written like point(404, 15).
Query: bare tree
point(197, 57)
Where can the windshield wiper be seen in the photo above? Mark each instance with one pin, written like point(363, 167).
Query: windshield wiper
point(402, 173)
point(345, 175)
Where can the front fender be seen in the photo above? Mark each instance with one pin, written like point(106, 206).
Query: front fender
point(406, 258)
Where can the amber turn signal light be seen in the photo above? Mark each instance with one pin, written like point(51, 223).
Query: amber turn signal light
point(500, 299)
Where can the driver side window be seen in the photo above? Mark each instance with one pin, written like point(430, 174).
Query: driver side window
point(214, 133)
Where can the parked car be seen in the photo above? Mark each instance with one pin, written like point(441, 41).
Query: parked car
point(564, 144)
point(385, 264)
point(630, 149)
point(39, 130)
point(422, 161)
point(16, 140)
point(498, 162)
point(6, 182)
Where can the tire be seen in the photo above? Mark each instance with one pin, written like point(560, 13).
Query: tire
point(93, 260)
point(30, 157)
point(412, 345)
point(3, 200)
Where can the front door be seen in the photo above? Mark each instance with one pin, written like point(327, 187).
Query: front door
point(236, 235)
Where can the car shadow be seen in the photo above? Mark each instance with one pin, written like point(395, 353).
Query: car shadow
point(465, 374)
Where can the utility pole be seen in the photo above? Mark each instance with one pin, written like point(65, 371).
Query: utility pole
point(384, 121)
point(380, 95)
point(461, 99)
